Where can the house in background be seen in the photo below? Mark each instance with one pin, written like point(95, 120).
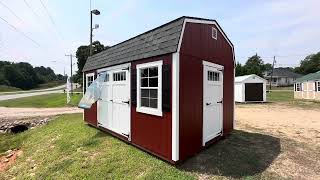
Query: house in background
point(168, 91)
point(281, 77)
point(308, 87)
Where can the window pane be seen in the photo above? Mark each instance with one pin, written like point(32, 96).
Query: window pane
point(153, 103)
point(144, 72)
point(145, 102)
point(124, 76)
point(154, 93)
point(153, 82)
point(153, 71)
point(145, 93)
point(144, 82)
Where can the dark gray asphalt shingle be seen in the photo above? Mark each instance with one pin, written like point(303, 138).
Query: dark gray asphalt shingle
point(159, 41)
point(283, 72)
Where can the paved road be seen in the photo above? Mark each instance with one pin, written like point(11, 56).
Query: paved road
point(57, 89)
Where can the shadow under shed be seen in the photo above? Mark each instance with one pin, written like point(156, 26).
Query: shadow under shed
point(240, 154)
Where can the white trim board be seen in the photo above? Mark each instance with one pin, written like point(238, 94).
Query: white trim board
point(175, 106)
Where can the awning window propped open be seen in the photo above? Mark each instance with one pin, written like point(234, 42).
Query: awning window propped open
point(93, 92)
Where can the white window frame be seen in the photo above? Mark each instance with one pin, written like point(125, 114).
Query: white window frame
point(317, 86)
point(87, 77)
point(148, 110)
point(296, 87)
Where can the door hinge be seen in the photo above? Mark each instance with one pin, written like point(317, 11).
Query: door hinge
point(126, 69)
point(127, 135)
point(127, 102)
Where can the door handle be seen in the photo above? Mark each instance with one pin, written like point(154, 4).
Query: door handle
point(208, 104)
point(127, 102)
point(219, 102)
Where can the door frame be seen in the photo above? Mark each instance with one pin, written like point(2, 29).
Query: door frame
point(121, 66)
point(220, 68)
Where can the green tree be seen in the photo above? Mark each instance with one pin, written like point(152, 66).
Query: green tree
point(240, 70)
point(267, 67)
point(310, 64)
point(254, 65)
point(82, 55)
point(83, 52)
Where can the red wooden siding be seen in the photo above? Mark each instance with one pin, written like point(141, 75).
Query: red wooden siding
point(198, 45)
point(90, 115)
point(150, 132)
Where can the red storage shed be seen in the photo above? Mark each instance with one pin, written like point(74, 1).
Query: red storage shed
point(168, 91)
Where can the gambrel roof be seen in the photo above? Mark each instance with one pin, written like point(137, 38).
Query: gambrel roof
point(161, 40)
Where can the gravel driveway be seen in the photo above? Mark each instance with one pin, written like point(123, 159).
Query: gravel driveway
point(24, 113)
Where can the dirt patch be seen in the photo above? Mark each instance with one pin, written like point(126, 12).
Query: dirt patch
point(298, 130)
point(9, 158)
point(302, 125)
point(23, 113)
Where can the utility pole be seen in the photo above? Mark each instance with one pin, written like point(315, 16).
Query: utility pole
point(70, 55)
point(274, 60)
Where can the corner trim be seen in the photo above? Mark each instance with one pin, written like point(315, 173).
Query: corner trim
point(175, 106)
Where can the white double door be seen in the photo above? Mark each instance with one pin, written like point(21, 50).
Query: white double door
point(114, 103)
point(212, 101)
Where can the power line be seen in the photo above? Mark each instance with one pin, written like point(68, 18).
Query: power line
point(21, 32)
point(11, 11)
point(49, 15)
point(51, 18)
point(50, 30)
point(31, 9)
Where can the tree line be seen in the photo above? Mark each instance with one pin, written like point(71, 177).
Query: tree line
point(255, 65)
point(24, 76)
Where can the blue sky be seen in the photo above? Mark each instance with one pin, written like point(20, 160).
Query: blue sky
point(288, 29)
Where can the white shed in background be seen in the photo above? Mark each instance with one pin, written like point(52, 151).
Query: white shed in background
point(250, 88)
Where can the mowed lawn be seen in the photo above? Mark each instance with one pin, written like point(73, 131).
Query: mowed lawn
point(43, 101)
point(67, 148)
point(287, 98)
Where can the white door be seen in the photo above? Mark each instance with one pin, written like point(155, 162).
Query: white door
point(114, 105)
point(212, 101)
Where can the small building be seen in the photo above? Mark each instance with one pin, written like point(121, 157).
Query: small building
point(281, 77)
point(168, 91)
point(308, 87)
point(250, 88)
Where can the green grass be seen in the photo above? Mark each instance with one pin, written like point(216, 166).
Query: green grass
point(43, 101)
point(49, 85)
point(280, 96)
point(4, 88)
point(68, 149)
point(280, 88)
point(13, 90)
point(287, 98)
